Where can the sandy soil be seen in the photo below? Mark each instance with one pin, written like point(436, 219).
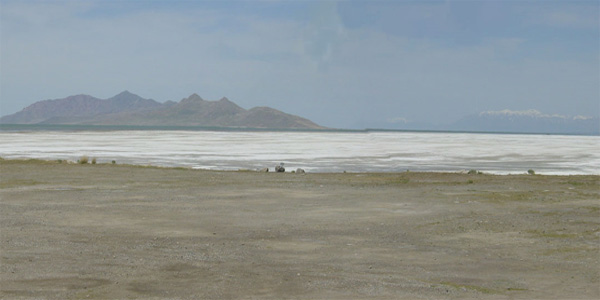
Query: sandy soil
point(123, 232)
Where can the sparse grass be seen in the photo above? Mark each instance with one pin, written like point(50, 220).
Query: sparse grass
point(555, 213)
point(474, 172)
point(163, 168)
point(374, 180)
point(437, 223)
point(506, 197)
point(18, 183)
point(583, 183)
point(568, 250)
point(480, 289)
point(553, 235)
point(28, 161)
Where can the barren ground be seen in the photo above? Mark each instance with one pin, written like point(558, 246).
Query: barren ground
point(123, 232)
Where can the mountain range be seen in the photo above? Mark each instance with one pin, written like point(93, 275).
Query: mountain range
point(524, 121)
point(130, 109)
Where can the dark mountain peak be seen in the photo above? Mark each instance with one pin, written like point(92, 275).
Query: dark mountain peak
point(126, 96)
point(81, 97)
point(224, 102)
point(78, 96)
point(126, 93)
point(126, 102)
point(195, 97)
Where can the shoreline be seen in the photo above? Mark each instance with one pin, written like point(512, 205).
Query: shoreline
point(105, 231)
point(272, 169)
point(7, 127)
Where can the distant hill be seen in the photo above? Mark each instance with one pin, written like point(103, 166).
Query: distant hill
point(529, 121)
point(130, 109)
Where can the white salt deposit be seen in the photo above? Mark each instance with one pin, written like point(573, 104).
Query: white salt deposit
point(316, 151)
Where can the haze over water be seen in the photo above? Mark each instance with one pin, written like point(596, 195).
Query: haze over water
point(316, 151)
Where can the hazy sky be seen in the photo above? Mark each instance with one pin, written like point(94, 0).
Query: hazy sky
point(340, 64)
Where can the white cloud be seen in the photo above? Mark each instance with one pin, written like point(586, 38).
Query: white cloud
point(578, 117)
point(533, 114)
point(324, 33)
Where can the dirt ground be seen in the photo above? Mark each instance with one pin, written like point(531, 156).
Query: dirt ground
point(122, 232)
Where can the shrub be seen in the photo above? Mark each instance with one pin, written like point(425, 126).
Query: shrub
point(93, 161)
point(114, 162)
point(472, 172)
point(531, 172)
point(83, 160)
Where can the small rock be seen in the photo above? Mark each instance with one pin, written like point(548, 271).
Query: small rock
point(280, 168)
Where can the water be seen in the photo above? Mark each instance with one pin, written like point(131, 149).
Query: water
point(315, 151)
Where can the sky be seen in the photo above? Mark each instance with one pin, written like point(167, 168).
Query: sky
point(343, 64)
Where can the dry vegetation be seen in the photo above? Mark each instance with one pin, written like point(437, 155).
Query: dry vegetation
point(111, 231)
